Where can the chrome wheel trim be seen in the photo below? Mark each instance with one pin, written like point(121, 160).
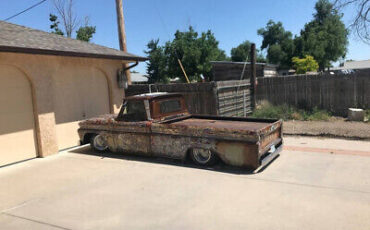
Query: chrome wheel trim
point(100, 143)
point(202, 156)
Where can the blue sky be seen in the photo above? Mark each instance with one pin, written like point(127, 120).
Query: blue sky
point(232, 21)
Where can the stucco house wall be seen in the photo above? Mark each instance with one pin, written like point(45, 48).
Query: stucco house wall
point(48, 83)
point(51, 80)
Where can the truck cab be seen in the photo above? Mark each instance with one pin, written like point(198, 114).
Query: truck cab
point(150, 107)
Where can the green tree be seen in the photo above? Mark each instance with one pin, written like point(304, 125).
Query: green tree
point(157, 66)
point(195, 54)
point(210, 51)
point(241, 53)
point(55, 25)
point(85, 33)
point(325, 37)
point(279, 44)
point(260, 57)
point(304, 65)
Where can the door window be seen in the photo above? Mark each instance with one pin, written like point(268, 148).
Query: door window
point(135, 111)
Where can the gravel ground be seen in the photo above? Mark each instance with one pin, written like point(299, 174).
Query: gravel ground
point(335, 128)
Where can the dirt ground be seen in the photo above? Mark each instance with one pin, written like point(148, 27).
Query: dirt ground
point(338, 127)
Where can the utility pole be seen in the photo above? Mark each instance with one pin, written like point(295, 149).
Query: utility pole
point(253, 78)
point(122, 35)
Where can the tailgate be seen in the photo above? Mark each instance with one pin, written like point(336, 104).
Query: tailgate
point(270, 145)
point(269, 135)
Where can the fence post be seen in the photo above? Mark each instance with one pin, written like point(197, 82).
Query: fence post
point(253, 77)
point(244, 109)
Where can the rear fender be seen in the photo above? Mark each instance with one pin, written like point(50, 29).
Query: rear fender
point(239, 154)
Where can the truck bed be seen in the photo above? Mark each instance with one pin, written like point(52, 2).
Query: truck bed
point(222, 124)
point(250, 125)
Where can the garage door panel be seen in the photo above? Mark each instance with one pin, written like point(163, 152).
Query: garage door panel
point(18, 146)
point(11, 127)
point(67, 134)
point(17, 136)
point(97, 102)
point(78, 96)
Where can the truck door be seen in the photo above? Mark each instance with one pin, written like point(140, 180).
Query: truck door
point(132, 135)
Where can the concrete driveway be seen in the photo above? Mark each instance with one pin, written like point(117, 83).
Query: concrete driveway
point(314, 184)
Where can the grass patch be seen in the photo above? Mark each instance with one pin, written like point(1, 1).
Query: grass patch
point(286, 112)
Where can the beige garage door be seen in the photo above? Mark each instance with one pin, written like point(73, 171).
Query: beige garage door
point(80, 93)
point(17, 136)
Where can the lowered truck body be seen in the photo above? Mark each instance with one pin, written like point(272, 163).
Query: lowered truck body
point(160, 125)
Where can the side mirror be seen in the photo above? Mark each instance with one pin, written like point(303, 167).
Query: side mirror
point(122, 79)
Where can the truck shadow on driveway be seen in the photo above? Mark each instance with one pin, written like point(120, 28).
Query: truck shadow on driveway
point(220, 166)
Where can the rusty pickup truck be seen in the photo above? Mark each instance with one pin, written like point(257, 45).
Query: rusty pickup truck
point(159, 124)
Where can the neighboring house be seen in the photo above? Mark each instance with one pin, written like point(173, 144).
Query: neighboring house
point(365, 64)
point(290, 72)
point(286, 72)
point(48, 83)
point(227, 70)
point(352, 65)
point(138, 78)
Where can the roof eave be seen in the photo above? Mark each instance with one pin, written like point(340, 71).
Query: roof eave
point(69, 53)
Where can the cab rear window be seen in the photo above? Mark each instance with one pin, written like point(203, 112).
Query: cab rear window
point(170, 106)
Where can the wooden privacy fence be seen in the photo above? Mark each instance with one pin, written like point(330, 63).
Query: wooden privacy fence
point(225, 98)
point(335, 93)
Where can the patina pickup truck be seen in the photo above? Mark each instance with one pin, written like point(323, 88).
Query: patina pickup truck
point(159, 124)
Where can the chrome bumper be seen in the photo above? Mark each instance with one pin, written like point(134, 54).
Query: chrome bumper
point(273, 153)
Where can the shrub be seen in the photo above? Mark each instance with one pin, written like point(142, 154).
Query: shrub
point(304, 65)
point(318, 115)
point(266, 110)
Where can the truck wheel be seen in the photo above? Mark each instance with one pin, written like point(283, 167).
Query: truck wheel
point(98, 143)
point(204, 157)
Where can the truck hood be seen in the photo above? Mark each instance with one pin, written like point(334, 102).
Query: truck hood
point(103, 119)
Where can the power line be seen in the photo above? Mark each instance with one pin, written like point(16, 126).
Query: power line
point(15, 15)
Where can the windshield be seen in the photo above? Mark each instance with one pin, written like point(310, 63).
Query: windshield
point(134, 111)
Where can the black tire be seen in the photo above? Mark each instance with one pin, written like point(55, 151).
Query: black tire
point(203, 157)
point(97, 144)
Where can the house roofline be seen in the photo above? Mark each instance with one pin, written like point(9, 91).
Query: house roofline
point(68, 53)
